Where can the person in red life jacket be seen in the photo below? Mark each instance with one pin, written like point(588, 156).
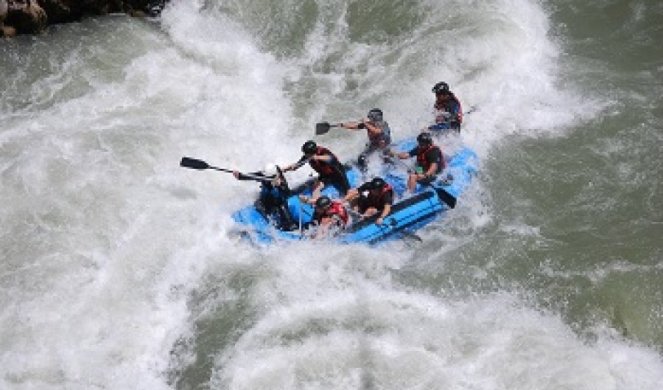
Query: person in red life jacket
point(329, 168)
point(330, 216)
point(430, 161)
point(372, 197)
point(377, 129)
point(447, 109)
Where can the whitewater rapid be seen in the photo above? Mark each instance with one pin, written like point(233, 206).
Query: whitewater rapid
point(120, 270)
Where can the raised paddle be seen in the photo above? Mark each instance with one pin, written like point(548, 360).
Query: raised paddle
point(188, 162)
point(323, 127)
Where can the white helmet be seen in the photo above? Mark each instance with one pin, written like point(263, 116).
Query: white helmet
point(270, 170)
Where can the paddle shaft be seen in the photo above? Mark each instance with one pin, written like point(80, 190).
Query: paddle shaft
point(471, 110)
point(221, 169)
point(192, 163)
point(246, 175)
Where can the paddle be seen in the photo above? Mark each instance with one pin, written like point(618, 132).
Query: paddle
point(444, 196)
point(404, 232)
point(323, 127)
point(188, 162)
point(471, 110)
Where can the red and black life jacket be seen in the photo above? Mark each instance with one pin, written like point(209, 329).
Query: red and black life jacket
point(322, 167)
point(377, 200)
point(451, 106)
point(336, 209)
point(424, 163)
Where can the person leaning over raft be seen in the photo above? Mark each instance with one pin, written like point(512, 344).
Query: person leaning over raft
point(447, 109)
point(330, 216)
point(374, 196)
point(329, 168)
point(273, 199)
point(377, 129)
point(430, 161)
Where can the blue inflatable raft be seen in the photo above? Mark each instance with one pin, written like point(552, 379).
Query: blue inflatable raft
point(408, 213)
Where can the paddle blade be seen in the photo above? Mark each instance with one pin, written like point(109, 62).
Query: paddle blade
point(446, 197)
point(322, 128)
point(188, 162)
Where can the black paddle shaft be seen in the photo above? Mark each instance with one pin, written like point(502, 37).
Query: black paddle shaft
point(188, 162)
point(193, 163)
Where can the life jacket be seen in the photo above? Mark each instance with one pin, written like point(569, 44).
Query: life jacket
point(384, 137)
point(424, 163)
point(336, 209)
point(322, 167)
point(276, 193)
point(453, 107)
point(377, 201)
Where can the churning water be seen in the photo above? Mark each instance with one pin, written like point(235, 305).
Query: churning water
point(119, 270)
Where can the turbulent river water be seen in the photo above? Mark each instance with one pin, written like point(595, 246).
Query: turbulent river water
point(119, 269)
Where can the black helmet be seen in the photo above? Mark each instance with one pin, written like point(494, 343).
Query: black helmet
point(375, 115)
point(425, 139)
point(377, 183)
point(309, 147)
point(323, 202)
point(442, 88)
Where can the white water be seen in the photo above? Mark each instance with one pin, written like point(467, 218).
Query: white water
point(111, 253)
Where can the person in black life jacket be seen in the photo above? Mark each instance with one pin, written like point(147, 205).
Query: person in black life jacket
point(447, 109)
point(329, 168)
point(430, 161)
point(372, 197)
point(377, 129)
point(330, 216)
point(273, 199)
